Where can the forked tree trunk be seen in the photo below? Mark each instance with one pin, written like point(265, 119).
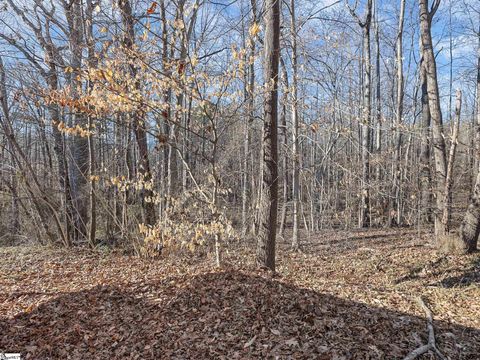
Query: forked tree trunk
point(268, 211)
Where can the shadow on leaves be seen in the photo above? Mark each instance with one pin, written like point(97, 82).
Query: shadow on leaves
point(221, 315)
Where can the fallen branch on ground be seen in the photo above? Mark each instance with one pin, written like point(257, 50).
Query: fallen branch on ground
point(431, 336)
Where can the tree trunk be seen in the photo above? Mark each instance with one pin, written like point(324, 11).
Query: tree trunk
point(268, 212)
point(398, 118)
point(425, 176)
point(364, 219)
point(250, 88)
point(92, 63)
point(80, 157)
point(295, 150)
point(283, 117)
point(62, 163)
point(378, 133)
point(438, 139)
point(139, 124)
point(447, 196)
point(470, 228)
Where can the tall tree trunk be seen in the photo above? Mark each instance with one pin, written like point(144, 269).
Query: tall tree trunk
point(268, 213)
point(80, 157)
point(438, 140)
point(295, 150)
point(398, 117)
point(283, 117)
point(476, 125)
point(59, 150)
point(92, 63)
point(166, 112)
point(425, 176)
point(470, 228)
point(364, 208)
point(250, 93)
point(378, 133)
point(138, 122)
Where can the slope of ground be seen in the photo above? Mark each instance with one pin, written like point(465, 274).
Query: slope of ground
point(348, 295)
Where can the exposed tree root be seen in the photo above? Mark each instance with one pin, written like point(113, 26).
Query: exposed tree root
point(431, 345)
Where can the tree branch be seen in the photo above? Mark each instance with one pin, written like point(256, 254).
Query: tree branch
point(431, 345)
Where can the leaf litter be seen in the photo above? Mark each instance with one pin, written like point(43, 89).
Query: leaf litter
point(347, 295)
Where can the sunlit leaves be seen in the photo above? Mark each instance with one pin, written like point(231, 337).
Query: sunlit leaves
point(254, 30)
point(76, 130)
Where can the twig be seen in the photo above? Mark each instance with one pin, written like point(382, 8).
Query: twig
point(431, 345)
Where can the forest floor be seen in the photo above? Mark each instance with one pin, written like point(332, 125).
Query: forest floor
point(347, 295)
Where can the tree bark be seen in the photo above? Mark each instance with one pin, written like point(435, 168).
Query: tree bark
point(425, 175)
point(398, 118)
point(438, 140)
point(268, 212)
point(470, 227)
point(283, 117)
point(79, 150)
point(295, 145)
